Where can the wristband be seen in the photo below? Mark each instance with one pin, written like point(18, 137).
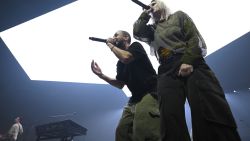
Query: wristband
point(112, 48)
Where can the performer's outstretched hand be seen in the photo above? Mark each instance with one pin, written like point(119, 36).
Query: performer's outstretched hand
point(96, 69)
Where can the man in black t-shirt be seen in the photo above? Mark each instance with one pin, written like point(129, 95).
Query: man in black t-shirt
point(140, 119)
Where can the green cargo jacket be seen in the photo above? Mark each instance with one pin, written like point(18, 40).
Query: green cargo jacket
point(177, 33)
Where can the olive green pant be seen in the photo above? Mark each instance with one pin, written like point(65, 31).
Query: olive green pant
point(212, 119)
point(140, 121)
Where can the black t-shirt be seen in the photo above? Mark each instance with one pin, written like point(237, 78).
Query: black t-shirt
point(139, 75)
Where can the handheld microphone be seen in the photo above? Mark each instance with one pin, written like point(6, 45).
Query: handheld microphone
point(144, 6)
point(98, 39)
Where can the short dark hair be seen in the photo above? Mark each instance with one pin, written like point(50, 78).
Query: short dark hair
point(19, 118)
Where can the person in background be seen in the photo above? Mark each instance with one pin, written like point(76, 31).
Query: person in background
point(15, 130)
point(140, 118)
point(183, 74)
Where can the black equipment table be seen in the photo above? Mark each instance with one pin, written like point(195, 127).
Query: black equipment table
point(64, 130)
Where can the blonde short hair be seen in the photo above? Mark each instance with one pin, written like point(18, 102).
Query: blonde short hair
point(165, 11)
